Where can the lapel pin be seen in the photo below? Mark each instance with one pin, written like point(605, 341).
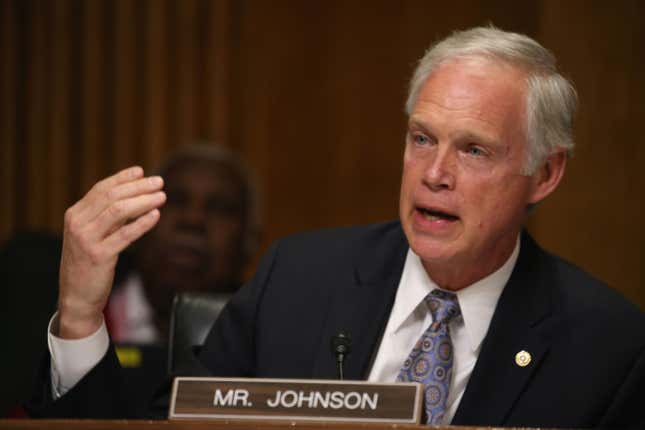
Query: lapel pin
point(522, 358)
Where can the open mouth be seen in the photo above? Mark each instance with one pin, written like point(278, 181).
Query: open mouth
point(436, 215)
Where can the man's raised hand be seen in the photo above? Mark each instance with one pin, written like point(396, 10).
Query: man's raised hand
point(114, 213)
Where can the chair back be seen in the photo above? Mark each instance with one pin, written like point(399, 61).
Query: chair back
point(191, 318)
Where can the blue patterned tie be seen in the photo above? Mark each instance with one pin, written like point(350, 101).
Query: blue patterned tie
point(430, 361)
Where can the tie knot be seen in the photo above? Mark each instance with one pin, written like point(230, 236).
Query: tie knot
point(443, 305)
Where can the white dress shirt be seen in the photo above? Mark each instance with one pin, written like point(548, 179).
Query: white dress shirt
point(71, 360)
point(132, 320)
point(410, 317)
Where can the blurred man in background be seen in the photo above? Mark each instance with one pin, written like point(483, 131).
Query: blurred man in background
point(202, 243)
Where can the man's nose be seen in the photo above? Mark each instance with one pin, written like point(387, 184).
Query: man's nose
point(440, 171)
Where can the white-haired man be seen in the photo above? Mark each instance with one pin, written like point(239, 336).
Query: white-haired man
point(454, 295)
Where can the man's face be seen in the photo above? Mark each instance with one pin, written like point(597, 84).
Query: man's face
point(463, 199)
point(199, 241)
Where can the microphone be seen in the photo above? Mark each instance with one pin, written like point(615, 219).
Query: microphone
point(341, 347)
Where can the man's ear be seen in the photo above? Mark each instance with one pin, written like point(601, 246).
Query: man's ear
point(547, 177)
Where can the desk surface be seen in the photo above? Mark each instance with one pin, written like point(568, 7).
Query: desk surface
point(26, 424)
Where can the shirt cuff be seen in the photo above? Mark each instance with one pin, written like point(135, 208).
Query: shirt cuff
point(72, 359)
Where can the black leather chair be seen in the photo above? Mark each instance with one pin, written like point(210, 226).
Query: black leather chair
point(192, 316)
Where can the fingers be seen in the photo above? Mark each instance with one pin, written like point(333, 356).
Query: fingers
point(109, 205)
point(135, 188)
point(128, 233)
point(123, 211)
point(113, 214)
point(125, 184)
point(125, 175)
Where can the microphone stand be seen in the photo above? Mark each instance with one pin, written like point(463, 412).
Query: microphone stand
point(341, 347)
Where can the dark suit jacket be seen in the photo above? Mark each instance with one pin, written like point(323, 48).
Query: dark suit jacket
point(587, 343)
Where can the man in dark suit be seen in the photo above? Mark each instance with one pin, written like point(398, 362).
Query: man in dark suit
point(454, 296)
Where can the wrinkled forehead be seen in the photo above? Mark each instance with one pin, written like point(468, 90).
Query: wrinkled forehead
point(482, 71)
point(478, 86)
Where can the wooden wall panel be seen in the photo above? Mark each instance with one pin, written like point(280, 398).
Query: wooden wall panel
point(33, 154)
point(60, 120)
point(215, 75)
point(8, 117)
point(153, 79)
point(183, 71)
point(311, 94)
point(93, 88)
point(595, 218)
point(125, 69)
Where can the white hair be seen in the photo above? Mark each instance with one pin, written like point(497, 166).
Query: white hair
point(551, 99)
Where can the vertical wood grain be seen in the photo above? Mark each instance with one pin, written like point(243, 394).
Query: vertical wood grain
point(154, 81)
point(125, 68)
point(311, 94)
point(595, 218)
point(93, 93)
point(33, 165)
point(58, 128)
point(184, 66)
point(8, 117)
point(214, 77)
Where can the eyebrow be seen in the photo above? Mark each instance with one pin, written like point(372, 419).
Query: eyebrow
point(479, 138)
point(464, 135)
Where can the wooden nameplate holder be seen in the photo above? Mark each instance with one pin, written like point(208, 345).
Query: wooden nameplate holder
point(295, 400)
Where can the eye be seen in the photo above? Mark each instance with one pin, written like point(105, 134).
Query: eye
point(475, 151)
point(420, 139)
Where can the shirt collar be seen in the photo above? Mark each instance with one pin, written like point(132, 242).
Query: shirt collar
point(477, 301)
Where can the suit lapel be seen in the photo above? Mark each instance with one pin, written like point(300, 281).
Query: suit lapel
point(522, 322)
point(362, 309)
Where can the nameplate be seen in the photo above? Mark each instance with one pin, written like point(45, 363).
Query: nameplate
point(295, 400)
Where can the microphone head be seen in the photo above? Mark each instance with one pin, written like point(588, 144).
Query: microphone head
point(341, 343)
